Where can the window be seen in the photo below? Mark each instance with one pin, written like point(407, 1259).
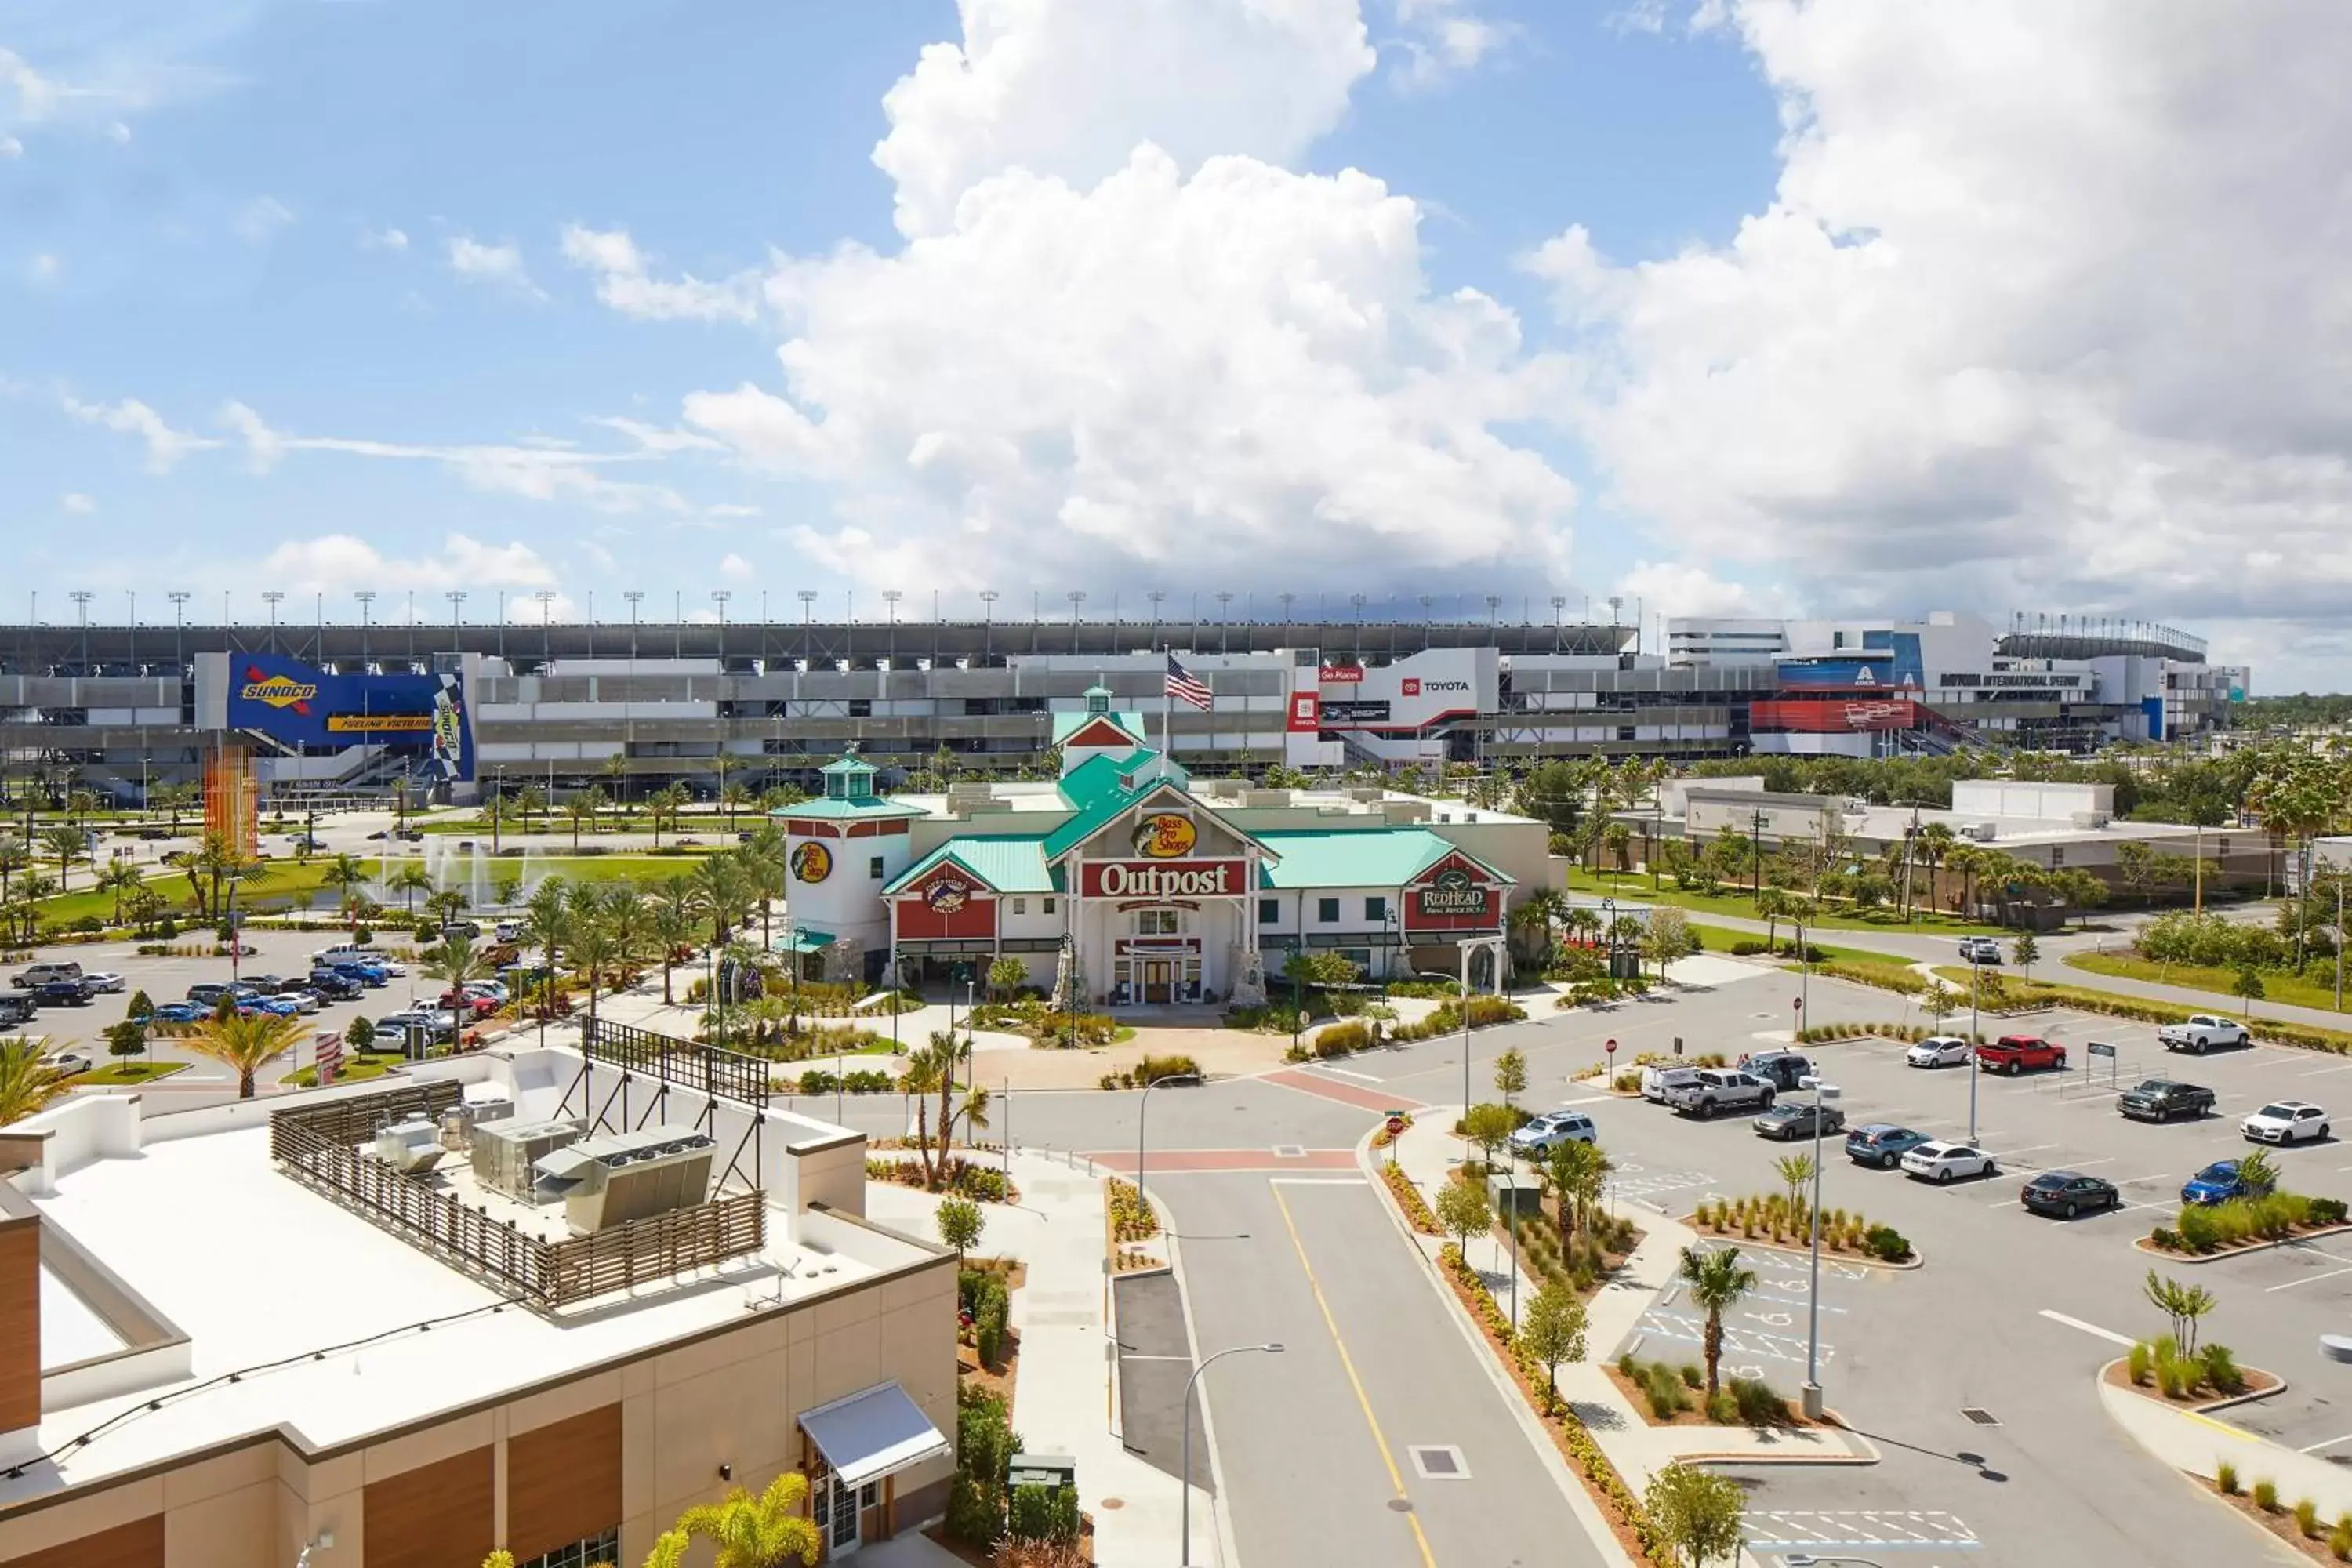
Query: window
point(1020, 906)
point(1156, 923)
point(1376, 909)
point(1327, 911)
point(2057, 855)
point(874, 869)
point(1270, 911)
point(604, 1548)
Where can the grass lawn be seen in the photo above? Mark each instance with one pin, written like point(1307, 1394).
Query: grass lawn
point(1719, 939)
point(1635, 886)
point(2294, 991)
point(131, 1072)
point(286, 881)
point(356, 1066)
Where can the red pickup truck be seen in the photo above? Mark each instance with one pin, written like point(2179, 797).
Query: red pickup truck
point(2015, 1053)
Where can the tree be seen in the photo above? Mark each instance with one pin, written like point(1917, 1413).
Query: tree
point(2184, 1304)
point(358, 1033)
point(581, 808)
point(1553, 1330)
point(1698, 1510)
point(69, 845)
point(411, 880)
point(1667, 937)
point(2025, 950)
point(953, 1049)
point(673, 924)
point(2249, 985)
point(122, 878)
point(1489, 1127)
point(961, 1222)
point(244, 1043)
point(127, 1038)
point(1796, 1174)
point(664, 806)
point(1718, 1281)
point(1005, 976)
point(531, 800)
point(2257, 1172)
point(456, 963)
point(1322, 966)
point(1576, 1171)
point(28, 1082)
point(1940, 1001)
point(347, 874)
point(1511, 1073)
point(16, 855)
point(546, 921)
point(1464, 1212)
point(926, 1066)
point(766, 1531)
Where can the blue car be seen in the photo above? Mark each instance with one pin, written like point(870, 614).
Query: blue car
point(180, 1013)
point(2218, 1183)
point(281, 1006)
point(365, 973)
point(1881, 1145)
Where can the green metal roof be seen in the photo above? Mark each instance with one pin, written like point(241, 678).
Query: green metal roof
point(872, 808)
point(1068, 724)
point(1098, 791)
point(1365, 857)
point(1009, 865)
point(807, 941)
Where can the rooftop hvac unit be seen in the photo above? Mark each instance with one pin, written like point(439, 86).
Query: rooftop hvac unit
point(412, 1147)
point(1259, 799)
point(630, 1177)
point(1981, 832)
point(1366, 794)
point(506, 1155)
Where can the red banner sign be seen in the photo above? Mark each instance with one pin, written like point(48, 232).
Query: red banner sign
point(1165, 878)
point(1340, 674)
point(1305, 718)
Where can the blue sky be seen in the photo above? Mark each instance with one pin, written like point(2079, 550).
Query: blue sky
point(1734, 307)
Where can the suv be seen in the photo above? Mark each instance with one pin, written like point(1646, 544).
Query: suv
point(1721, 1089)
point(63, 991)
point(1781, 1069)
point(1882, 1145)
point(2162, 1098)
point(1980, 949)
point(15, 1007)
point(42, 973)
point(1553, 1127)
point(2014, 1053)
point(335, 986)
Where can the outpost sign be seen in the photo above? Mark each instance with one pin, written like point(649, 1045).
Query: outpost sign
point(1165, 878)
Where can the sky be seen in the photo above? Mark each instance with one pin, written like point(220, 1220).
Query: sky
point(1721, 306)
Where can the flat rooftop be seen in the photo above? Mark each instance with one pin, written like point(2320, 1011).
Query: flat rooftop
point(263, 1273)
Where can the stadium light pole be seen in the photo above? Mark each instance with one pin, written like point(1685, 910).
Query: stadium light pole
point(179, 598)
point(1077, 596)
point(987, 624)
point(81, 597)
point(1287, 600)
point(457, 597)
point(271, 596)
point(1155, 597)
point(1225, 621)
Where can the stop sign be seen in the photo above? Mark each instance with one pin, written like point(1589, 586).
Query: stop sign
point(1610, 1047)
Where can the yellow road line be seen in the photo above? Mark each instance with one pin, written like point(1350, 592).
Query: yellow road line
point(1348, 1364)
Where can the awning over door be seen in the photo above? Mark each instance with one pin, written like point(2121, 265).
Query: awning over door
point(871, 1434)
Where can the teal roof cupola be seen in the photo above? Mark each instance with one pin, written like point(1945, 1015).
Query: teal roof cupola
point(1097, 699)
point(851, 778)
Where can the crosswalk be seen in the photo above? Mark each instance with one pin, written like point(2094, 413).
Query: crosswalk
point(1832, 1529)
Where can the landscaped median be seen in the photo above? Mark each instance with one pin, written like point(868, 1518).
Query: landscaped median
point(1784, 1223)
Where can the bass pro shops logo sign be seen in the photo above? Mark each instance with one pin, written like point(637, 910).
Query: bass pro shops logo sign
point(812, 862)
point(277, 690)
point(1165, 836)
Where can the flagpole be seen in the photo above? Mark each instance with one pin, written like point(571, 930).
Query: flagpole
point(1167, 714)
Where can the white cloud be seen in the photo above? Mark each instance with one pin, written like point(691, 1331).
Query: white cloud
point(119, 133)
point(11, 148)
point(337, 563)
point(45, 268)
point(733, 509)
point(500, 265)
point(625, 282)
point(2048, 308)
point(653, 439)
point(382, 239)
point(1666, 588)
point(734, 567)
point(166, 445)
point(77, 503)
point(1442, 39)
point(1069, 88)
point(262, 217)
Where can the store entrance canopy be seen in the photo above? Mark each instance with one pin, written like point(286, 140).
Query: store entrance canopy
point(871, 1434)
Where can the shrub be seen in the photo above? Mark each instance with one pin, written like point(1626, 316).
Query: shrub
point(1151, 1070)
point(1759, 1406)
point(1886, 1244)
point(1693, 1376)
point(1666, 1395)
point(2164, 1235)
point(2339, 1540)
point(1628, 1368)
point(2327, 1211)
point(2306, 1517)
point(1723, 1409)
point(2266, 1496)
point(2199, 1231)
point(2221, 1369)
point(1340, 1039)
point(2141, 1361)
point(989, 1317)
point(2225, 1479)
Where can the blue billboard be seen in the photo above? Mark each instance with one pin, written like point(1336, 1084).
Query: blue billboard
point(300, 705)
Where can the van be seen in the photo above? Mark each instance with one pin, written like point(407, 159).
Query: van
point(42, 973)
point(1781, 1069)
point(345, 953)
point(1657, 1079)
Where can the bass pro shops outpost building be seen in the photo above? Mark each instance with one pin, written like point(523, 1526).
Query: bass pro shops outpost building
point(539, 1300)
point(1159, 888)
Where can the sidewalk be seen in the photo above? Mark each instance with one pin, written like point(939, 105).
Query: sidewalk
point(1428, 1153)
point(1062, 1395)
point(2197, 1443)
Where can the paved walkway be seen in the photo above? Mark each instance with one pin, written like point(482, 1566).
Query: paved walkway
point(1428, 1155)
point(2198, 1444)
point(1061, 1400)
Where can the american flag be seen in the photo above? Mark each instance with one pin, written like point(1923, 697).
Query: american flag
point(330, 1050)
point(1185, 686)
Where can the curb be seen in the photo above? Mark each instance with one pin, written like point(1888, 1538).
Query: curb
point(2192, 1259)
point(2204, 1412)
point(1916, 1259)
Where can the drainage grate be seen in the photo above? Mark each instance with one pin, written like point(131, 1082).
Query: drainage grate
point(1981, 1418)
point(1290, 1150)
point(1440, 1463)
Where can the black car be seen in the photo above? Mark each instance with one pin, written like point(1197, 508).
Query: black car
point(2162, 1098)
point(1787, 1120)
point(333, 986)
point(62, 993)
point(2068, 1193)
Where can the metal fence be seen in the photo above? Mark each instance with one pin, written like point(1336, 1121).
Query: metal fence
point(689, 1064)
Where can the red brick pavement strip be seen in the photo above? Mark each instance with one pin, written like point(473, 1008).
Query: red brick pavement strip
point(1175, 1161)
point(1345, 1093)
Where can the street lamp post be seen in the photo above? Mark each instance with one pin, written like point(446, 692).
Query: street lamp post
point(1824, 1093)
point(1184, 1481)
point(1975, 1067)
point(1493, 945)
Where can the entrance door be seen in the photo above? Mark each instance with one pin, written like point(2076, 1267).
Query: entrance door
point(832, 1509)
point(1158, 979)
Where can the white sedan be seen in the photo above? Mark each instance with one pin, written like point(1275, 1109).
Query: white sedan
point(1938, 1051)
point(2285, 1121)
point(1941, 1163)
point(104, 980)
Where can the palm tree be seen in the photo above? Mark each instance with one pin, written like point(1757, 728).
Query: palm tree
point(244, 1043)
point(16, 855)
point(456, 963)
point(347, 874)
point(592, 945)
point(734, 797)
point(765, 1532)
point(411, 880)
point(672, 923)
point(122, 878)
point(1772, 903)
point(723, 892)
point(1932, 848)
point(581, 807)
point(927, 1066)
point(28, 1082)
point(664, 805)
point(548, 922)
point(531, 800)
point(722, 765)
point(1718, 1281)
point(763, 860)
point(952, 1049)
point(616, 768)
point(69, 845)
point(216, 869)
point(1531, 922)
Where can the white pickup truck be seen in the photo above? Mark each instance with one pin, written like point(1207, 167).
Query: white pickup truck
point(1714, 1090)
point(2201, 1031)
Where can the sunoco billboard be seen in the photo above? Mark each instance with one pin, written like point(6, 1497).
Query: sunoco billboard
point(297, 704)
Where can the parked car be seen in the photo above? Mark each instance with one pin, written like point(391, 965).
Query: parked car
point(63, 993)
point(276, 1006)
point(2285, 1121)
point(474, 1006)
point(2218, 1183)
point(1942, 1162)
point(2014, 1053)
point(1938, 1051)
point(1795, 1120)
point(1980, 949)
point(180, 1013)
point(2162, 1098)
point(466, 929)
point(305, 1000)
point(1783, 1070)
point(2202, 1032)
point(1553, 1127)
point(509, 931)
point(1881, 1145)
point(495, 990)
point(365, 973)
point(335, 986)
point(68, 1063)
point(2069, 1193)
point(1658, 1082)
point(17, 1007)
point(1713, 1089)
point(104, 981)
point(265, 985)
point(37, 974)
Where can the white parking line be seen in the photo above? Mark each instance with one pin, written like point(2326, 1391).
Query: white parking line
point(2322, 1072)
point(1363, 1077)
point(2307, 1279)
point(2329, 1444)
point(2108, 1334)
